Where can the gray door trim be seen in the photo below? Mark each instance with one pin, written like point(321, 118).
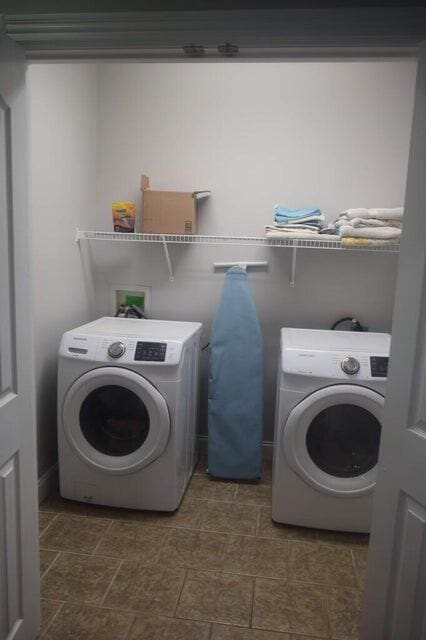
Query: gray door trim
point(358, 32)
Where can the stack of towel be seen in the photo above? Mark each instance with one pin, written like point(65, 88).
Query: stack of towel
point(363, 227)
point(296, 223)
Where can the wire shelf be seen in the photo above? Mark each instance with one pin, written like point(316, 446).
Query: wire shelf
point(254, 241)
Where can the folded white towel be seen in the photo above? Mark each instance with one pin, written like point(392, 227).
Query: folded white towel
point(303, 234)
point(378, 233)
point(380, 214)
point(292, 227)
point(367, 222)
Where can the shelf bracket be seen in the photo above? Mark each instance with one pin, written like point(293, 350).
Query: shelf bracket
point(243, 264)
point(169, 263)
point(293, 268)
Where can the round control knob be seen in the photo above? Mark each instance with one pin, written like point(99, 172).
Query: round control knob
point(116, 349)
point(350, 365)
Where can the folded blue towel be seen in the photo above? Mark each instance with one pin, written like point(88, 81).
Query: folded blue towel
point(285, 214)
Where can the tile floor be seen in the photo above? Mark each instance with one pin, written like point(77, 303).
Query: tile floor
point(217, 569)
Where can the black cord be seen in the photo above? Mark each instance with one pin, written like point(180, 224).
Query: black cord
point(355, 324)
point(341, 321)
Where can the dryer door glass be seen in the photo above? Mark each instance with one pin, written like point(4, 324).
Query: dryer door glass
point(343, 440)
point(114, 420)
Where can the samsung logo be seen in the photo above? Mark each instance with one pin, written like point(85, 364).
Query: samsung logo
point(306, 355)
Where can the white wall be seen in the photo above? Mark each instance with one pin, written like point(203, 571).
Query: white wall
point(333, 134)
point(303, 133)
point(62, 125)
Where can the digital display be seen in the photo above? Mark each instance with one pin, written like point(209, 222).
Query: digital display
point(379, 366)
point(151, 351)
point(77, 350)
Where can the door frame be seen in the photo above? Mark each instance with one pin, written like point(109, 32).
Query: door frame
point(262, 34)
point(266, 35)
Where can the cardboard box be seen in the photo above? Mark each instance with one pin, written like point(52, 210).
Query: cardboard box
point(169, 211)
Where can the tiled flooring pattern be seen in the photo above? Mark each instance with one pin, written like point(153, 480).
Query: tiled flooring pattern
point(217, 569)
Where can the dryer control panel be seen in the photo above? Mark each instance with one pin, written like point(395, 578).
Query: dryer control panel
point(350, 356)
point(353, 366)
point(151, 351)
point(379, 366)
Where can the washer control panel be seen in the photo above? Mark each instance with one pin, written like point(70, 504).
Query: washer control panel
point(379, 366)
point(350, 365)
point(124, 350)
point(116, 349)
point(151, 351)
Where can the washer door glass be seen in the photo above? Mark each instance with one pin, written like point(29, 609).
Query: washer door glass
point(331, 439)
point(114, 420)
point(343, 440)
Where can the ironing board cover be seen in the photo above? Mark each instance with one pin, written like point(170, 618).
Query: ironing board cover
point(235, 417)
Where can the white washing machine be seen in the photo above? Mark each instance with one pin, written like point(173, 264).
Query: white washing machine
point(127, 412)
point(330, 397)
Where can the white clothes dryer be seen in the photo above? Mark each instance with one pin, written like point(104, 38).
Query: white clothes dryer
point(127, 412)
point(330, 397)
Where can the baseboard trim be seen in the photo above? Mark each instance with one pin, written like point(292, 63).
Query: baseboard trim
point(48, 482)
point(267, 447)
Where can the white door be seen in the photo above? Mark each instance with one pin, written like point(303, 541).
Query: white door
point(19, 589)
point(395, 600)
